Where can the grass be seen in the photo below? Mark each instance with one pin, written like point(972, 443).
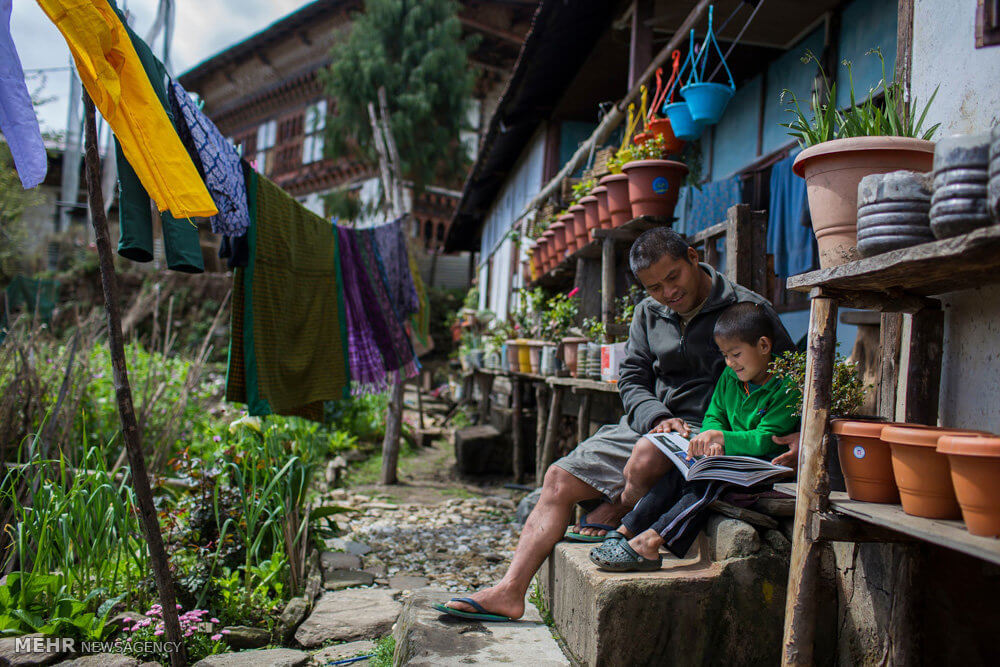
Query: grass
point(384, 650)
point(538, 600)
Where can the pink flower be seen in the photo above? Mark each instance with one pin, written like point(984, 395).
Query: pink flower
point(158, 633)
point(215, 620)
point(216, 438)
point(225, 631)
point(216, 637)
point(573, 292)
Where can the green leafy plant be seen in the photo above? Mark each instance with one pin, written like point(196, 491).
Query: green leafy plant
point(560, 315)
point(582, 189)
point(848, 389)
point(895, 116)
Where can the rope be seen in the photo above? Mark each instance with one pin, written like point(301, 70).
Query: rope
point(736, 41)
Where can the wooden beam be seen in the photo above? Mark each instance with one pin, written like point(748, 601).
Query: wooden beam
point(551, 432)
point(904, 45)
point(583, 417)
point(813, 488)
point(743, 514)
point(758, 253)
point(123, 391)
point(607, 281)
point(739, 257)
point(640, 51)
point(890, 343)
point(923, 370)
point(542, 404)
point(493, 31)
point(833, 527)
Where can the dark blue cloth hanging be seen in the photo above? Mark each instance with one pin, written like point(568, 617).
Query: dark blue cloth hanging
point(789, 232)
point(699, 209)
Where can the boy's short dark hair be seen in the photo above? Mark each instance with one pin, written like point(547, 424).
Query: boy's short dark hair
point(653, 244)
point(746, 322)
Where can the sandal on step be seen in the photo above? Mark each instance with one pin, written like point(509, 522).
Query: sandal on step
point(479, 615)
point(580, 537)
point(619, 556)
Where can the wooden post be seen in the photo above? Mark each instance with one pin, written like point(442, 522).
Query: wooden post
point(607, 281)
point(583, 417)
point(813, 488)
point(542, 404)
point(393, 429)
point(738, 245)
point(890, 341)
point(123, 391)
point(551, 432)
point(485, 383)
point(923, 368)
point(640, 52)
point(517, 435)
point(758, 253)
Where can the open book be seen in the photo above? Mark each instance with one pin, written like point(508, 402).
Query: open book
point(740, 470)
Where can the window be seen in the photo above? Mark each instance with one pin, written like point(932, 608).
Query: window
point(312, 147)
point(266, 136)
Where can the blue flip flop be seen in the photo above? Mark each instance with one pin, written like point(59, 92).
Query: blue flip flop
point(580, 537)
point(480, 615)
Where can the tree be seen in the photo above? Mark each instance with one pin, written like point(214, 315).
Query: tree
point(416, 51)
point(14, 200)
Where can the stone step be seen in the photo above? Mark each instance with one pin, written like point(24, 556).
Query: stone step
point(721, 604)
point(428, 638)
point(482, 450)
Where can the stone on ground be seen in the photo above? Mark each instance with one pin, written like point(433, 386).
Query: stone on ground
point(349, 615)
point(101, 660)
point(408, 582)
point(271, 657)
point(8, 656)
point(343, 651)
point(350, 546)
point(338, 580)
point(527, 504)
point(426, 637)
point(731, 538)
point(482, 450)
point(243, 637)
point(294, 613)
point(338, 560)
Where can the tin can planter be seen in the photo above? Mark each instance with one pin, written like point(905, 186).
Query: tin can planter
point(590, 215)
point(865, 460)
point(550, 360)
point(684, 126)
point(922, 474)
point(833, 171)
point(513, 356)
point(612, 355)
point(961, 176)
point(975, 473)
point(535, 352)
point(524, 355)
point(664, 128)
point(654, 186)
point(619, 206)
point(603, 215)
point(570, 348)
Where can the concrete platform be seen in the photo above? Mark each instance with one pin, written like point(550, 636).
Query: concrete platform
point(721, 605)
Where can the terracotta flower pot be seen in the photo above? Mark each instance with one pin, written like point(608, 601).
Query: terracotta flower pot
point(513, 355)
point(590, 215)
point(654, 185)
point(834, 169)
point(922, 474)
point(570, 347)
point(975, 472)
point(579, 224)
point(865, 460)
point(548, 243)
point(642, 138)
point(569, 233)
point(603, 215)
point(559, 238)
point(619, 206)
point(535, 355)
point(663, 127)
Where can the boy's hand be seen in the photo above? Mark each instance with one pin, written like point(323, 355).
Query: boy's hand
point(672, 424)
point(707, 443)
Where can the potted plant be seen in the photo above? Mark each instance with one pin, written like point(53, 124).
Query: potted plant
point(654, 183)
point(560, 316)
point(844, 146)
point(619, 206)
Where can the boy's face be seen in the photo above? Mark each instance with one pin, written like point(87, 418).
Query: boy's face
point(749, 362)
point(678, 284)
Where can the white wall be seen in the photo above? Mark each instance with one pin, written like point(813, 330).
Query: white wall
point(968, 101)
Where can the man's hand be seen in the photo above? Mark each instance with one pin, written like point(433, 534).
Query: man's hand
point(791, 457)
point(671, 424)
point(707, 443)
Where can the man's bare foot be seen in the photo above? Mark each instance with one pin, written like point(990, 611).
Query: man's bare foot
point(647, 544)
point(610, 514)
point(495, 600)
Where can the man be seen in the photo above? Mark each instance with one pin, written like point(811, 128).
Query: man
point(670, 369)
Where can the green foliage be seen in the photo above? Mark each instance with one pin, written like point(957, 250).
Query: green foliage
point(14, 200)
point(582, 189)
point(39, 603)
point(848, 390)
point(895, 117)
point(385, 648)
point(416, 51)
point(561, 314)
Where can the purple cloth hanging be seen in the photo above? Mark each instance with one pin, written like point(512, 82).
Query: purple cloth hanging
point(17, 117)
point(368, 374)
point(392, 249)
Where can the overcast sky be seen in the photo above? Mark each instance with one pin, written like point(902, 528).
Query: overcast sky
point(202, 28)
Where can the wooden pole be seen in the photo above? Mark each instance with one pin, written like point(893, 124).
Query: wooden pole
point(813, 488)
point(517, 428)
point(551, 432)
point(607, 283)
point(542, 405)
point(123, 392)
point(393, 429)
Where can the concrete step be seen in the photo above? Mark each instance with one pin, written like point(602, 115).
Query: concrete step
point(428, 638)
point(723, 604)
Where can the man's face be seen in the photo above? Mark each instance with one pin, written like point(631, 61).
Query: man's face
point(675, 283)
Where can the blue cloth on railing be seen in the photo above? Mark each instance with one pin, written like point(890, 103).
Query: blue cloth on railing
point(699, 209)
point(789, 233)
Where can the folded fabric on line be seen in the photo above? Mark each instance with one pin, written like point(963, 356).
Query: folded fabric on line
point(17, 116)
point(299, 326)
point(217, 161)
point(399, 281)
point(110, 70)
point(368, 373)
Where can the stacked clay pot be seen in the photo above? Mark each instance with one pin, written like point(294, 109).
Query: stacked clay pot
point(548, 249)
point(579, 226)
point(975, 472)
point(619, 205)
point(866, 460)
point(893, 211)
point(603, 214)
point(960, 177)
point(592, 215)
point(993, 189)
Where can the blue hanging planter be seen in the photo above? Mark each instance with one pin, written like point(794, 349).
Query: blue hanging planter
point(684, 126)
point(707, 101)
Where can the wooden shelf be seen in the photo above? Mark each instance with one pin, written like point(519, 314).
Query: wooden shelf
point(631, 230)
point(949, 534)
point(583, 384)
point(928, 269)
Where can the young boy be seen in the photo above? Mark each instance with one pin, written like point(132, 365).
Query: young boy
point(748, 406)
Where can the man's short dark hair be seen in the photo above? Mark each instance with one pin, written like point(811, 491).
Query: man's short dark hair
point(653, 244)
point(746, 322)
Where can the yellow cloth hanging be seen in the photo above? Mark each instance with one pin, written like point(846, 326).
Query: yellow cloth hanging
point(113, 76)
